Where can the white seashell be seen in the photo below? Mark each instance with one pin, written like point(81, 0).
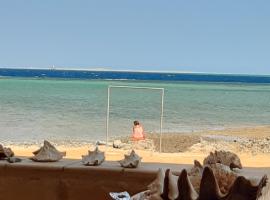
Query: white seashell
point(131, 161)
point(93, 158)
point(141, 196)
point(47, 153)
point(120, 196)
point(157, 184)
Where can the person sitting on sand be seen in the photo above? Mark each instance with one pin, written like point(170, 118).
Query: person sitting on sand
point(138, 132)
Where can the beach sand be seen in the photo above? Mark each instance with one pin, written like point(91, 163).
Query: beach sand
point(251, 144)
point(247, 159)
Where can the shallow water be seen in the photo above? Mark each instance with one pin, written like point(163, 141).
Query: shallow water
point(37, 109)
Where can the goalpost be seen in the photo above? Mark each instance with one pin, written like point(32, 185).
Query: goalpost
point(132, 87)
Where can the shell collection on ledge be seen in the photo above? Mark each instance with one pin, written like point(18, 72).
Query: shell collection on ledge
point(131, 161)
point(47, 153)
point(93, 158)
point(5, 152)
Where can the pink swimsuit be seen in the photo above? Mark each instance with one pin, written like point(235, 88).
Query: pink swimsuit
point(138, 133)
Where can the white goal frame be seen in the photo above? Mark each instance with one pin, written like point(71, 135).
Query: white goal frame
point(132, 87)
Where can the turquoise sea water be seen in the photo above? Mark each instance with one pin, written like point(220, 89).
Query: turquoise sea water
point(37, 109)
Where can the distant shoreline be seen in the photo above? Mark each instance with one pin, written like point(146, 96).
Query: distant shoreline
point(135, 71)
point(133, 75)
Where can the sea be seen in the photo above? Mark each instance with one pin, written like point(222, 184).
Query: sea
point(70, 106)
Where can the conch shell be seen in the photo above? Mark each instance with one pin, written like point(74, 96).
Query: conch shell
point(131, 161)
point(5, 152)
point(47, 153)
point(223, 157)
point(224, 175)
point(242, 189)
point(265, 192)
point(93, 158)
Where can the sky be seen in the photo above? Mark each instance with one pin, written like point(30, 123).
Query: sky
point(177, 35)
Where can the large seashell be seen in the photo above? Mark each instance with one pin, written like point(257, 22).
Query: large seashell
point(215, 180)
point(131, 161)
point(242, 189)
point(5, 152)
point(155, 189)
point(140, 196)
point(47, 153)
point(265, 192)
point(224, 175)
point(224, 157)
point(93, 158)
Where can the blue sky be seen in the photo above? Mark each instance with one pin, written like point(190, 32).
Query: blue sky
point(199, 36)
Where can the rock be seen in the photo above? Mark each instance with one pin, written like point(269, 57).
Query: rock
point(144, 145)
point(256, 145)
point(14, 159)
point(99, 143)
point(117, 144)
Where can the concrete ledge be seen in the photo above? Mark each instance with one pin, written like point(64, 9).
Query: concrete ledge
point(70, 180)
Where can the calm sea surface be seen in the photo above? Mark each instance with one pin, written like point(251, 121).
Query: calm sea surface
point(67, 109)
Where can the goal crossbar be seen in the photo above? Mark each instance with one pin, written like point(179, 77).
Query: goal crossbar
point(134, 87)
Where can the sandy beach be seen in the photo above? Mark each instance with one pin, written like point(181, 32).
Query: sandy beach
point(252, 144)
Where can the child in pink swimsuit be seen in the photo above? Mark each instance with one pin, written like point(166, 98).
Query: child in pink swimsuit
point(138, 132)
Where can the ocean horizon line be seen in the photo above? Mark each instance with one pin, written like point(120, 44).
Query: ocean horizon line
point(104, 69)
point(97, 74)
